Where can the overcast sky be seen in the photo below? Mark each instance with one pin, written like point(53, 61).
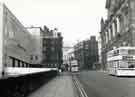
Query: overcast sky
point(76, 19)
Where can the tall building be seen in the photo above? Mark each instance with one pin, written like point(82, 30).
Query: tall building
point(52, 43)
point(86, 53)
point(119, 27)
point(93, 52)
point(36, 56)
point(68, 58)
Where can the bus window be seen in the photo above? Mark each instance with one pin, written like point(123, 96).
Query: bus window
point(116, 52)
point(123, 51)
point(131, 64)
point(124, 64)
point(131, 52)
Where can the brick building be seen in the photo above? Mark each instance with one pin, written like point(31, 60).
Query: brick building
point(86, 53)
point(52, 43)
point(119, 27)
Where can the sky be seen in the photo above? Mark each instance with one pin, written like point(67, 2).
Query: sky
point(76, 19)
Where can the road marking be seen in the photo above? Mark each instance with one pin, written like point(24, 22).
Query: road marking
point(79, 87)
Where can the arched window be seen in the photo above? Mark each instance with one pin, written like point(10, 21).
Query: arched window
point(118, 24)
point(106, 35)
point(115, 23)
point(109, 33)
point(121, 22)
point(102, 37)
point(113, 29)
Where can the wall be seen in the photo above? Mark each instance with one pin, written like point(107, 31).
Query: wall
point(17, 40)
point(1, 39)
point(37, 47)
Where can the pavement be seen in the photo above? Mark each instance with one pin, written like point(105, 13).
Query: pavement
point(61, 86)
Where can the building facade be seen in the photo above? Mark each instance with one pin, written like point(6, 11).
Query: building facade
point(52, 43)
point(79, 54)
point(36, 57)
point(119, 27)
point(86, 53)
point(16, 43)
point(69, 59)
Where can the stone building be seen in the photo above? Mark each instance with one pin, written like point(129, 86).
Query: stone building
point(119, 27)
point(35, 32)
point(79, 54)
point(86, 53)
point(69, 59)
point(93, 52)
point(52, 43)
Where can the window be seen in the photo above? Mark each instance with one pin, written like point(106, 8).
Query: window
point(113, 29)
point(106, 34)
point(123, 52)
point(6, 31)
point(36, 57)
point(86, 46)
point(123, 64)
point(31, 57)
point(11, 34)
point(131, 52)
point(118, 24)
point(116, 52)
point(44, 49)
point(53, 49)
point(121, 22)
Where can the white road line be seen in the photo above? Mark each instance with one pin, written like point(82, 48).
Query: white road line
point(80, 88)
point(82, 95)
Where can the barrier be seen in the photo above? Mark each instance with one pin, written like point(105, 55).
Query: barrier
point(21, 86)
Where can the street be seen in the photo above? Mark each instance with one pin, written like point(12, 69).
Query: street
point(100, 84)
point(57, 48)
point(93, 84)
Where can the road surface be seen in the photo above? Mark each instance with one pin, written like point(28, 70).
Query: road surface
point(87, 84)
point(100, 84)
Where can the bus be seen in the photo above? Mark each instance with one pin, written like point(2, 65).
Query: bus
point(121, 61)
point(74, 66)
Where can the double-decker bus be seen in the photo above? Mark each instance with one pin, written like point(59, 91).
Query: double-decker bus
point(74, 66)
point(121, 61)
